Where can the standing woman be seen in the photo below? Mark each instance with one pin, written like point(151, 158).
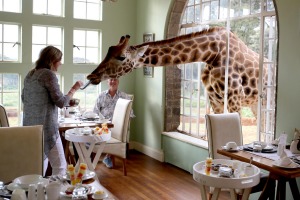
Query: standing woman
point(41, 96)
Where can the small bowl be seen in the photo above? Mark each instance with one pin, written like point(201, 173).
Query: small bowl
point(25, 181)
point(99, 194)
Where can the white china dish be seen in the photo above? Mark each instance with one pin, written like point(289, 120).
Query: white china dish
point(231, 150)
point(88, 174)
point(14, 185)
point(292, 165)
point(97, 196)
point(26, 180)
point(65, 187)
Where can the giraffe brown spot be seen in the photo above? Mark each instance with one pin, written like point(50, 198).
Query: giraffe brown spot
point(166, 50)
point(166, 59)
point(216, 61)
point(179, 46)
point(204, 46)
point(183, 57)
point(177, 60)
point(186, 50)
point(234, 84)
point(146, 61)
point(244, 80)
point(195, 55)
point(160, 53)
point(206, 56)
point(154, 51)
point(235, 75)
point(214, 47)
point(247, 91)
point(154, 59)
point(216, 73)
point(188, 43)
point(201, 40)
point(253, 82)
point(194, 46)
point(250, 72)
point(174, 53)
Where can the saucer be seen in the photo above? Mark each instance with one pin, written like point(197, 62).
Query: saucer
point(105, 195)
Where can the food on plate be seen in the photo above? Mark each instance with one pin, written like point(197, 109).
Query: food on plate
point(69, 190)
point(99, 131)
point(104, 128)
point(208, 164)
point(99, 194)
point(81, 172)
point(71, 171)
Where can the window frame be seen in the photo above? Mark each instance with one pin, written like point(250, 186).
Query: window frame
point(263, 14)
point(85, 47)
point(61, 46)
point(14, 44)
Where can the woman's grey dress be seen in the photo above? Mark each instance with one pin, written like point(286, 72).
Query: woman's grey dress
point(41, 96)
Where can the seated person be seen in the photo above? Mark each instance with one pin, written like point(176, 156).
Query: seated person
point(105, 105)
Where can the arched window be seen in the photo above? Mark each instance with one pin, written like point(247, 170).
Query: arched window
point(254, 22)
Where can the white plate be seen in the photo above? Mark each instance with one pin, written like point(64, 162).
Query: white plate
point(231, 150)
point(105, 195)
point(65, 187)
point(13, 186)
point(290, 166)
point(16, 183)
point(88, 174)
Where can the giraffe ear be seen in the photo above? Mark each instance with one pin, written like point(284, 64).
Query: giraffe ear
point(142, 50)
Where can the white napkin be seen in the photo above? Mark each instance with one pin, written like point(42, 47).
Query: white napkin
point(285, 161)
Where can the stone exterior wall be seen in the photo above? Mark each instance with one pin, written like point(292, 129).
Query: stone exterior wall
point(173, 74)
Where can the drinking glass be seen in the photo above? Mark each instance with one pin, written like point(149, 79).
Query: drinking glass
point(80, 192)
point(257, 147)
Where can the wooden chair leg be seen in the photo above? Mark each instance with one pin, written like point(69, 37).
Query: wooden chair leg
point(124, 167)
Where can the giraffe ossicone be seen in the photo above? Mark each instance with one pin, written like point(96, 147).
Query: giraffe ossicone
point(207, 46)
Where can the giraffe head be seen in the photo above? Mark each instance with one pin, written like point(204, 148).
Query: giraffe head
point(118, 61)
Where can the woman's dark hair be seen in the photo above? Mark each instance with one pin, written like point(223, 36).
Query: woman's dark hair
point(48, 56)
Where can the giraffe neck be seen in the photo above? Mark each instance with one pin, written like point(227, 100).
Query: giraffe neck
point(203, 46)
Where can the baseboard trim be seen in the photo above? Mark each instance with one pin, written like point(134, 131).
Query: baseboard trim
point(153, 153)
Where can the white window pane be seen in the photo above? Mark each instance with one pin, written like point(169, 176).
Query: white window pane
point(79, 38)
point(54, 7)
point(93, 1)
point(12, 5)
point(1, 32)
point(93, 11)
point(11, 33)
point(91, 55)
point(79, 10)
point(40, 6)
point(39, 35)
point(92, 38)
point(79, 55)
point(54, 36)
point(1, 54)
point(36, 49)
point(10, 52)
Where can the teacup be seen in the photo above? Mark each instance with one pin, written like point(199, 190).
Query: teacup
point(231, 146)
point(53, 190)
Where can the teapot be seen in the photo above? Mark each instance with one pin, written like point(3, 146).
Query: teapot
point(295, 144)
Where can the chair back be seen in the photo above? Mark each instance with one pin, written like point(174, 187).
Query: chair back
point(3, 117)
point(121, 119)
point(223, 128)
point(21, 151)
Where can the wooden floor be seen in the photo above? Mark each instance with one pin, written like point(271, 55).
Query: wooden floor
point(149, 179)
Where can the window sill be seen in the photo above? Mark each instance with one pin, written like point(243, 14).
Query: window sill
point(188, 139)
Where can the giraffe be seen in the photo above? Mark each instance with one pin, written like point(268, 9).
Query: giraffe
point(207, 46)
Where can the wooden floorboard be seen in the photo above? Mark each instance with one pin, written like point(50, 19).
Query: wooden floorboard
point(149, 179)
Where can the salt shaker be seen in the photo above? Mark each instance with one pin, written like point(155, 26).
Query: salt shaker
point(41, 191)
point(32, 192)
